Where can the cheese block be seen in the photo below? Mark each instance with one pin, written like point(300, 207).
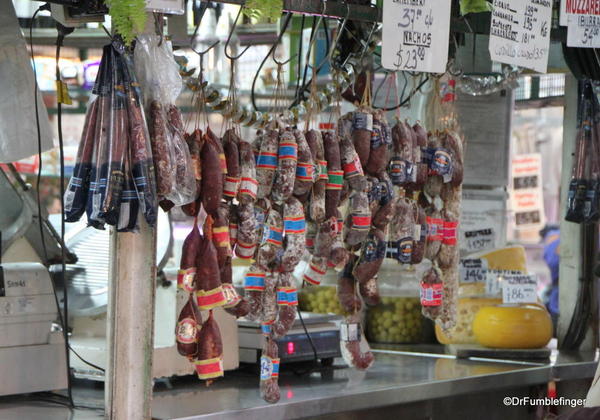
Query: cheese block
point(462, 332)
point(513, 327)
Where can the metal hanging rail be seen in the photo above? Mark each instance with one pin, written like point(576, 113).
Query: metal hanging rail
point(334, 9)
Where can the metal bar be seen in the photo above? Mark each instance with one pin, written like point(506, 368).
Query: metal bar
point(334, 9)
point(130, 324)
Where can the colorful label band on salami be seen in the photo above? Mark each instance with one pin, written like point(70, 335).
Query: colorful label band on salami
point(265, 327)
point(405, 247)
point(221, 236)
point(233, 230)
point(431, 294)
point(288, 151)
point(335, 180)
point(449, 233)
point(254, 281)
point(249, 187)
point(267, 160)
point(210, 368)
point(292, 296)
point(269, 368)
point(354, 168)
point(186, 331)
point(323, 169)
point(223, 162)
point(305, 172)
point(441, 162)
point(210, 299)
point(185, 279)
point(274, 235)
point(282, 297)
point(314, 274)
point(398, 171)
point(434, 229)
point(361, 222)
point(232, 297)
point(244, 250)
point(294, 225)
point(231, 186)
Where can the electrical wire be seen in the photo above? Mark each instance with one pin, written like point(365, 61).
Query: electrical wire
point(299, 57)
point(405, 101)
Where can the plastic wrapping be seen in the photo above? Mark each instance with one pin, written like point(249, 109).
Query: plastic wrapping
point(161, 83)
point(114, 174)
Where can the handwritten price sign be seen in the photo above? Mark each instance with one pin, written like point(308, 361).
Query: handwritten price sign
point(415, 35)
point(519, 289)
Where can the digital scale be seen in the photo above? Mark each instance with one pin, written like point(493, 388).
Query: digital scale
point(295, 346)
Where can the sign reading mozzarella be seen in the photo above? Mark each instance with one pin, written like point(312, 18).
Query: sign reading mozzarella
point(415, 35)
point(583, 21)
point(520, 33)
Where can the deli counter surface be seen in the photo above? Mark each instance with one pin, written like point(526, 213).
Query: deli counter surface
point(399, 377)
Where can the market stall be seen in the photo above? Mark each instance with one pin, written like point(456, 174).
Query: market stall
point(339, 226)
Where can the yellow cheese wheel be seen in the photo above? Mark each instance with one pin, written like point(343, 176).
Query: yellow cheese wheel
point(462, 332)
point(513, 327)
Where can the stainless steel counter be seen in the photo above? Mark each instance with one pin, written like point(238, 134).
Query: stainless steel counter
point(398, 377)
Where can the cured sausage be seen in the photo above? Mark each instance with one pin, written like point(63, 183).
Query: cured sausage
point(269, 372)
point(269, 301)
point(380, 140)
point(325, 237)
point(317, 199)
point(212, 178)
point(402, 231)
point(370, 292)
point(232, 158)
point(339, 255)
point(362, 126)
point(353, 170)
point(371, 256)
point(358, 221)
point(271, 242)
point(247, 236)
point(163, 165)
point(346, 289)
point(266, 163)
point(188, 328)
point(448, 254)
point(294, 227)
point(285, 174)
point(209, 292)
point(420, 138)
point(420, 236)
point(432, 293)
point(220, 234)
point(248, 183)
point(287, 301)
point(315, 271)
point(186, 276)
point(334, 173)
point(209, 360)
point(305, 170)
point(453, 144)
point(254, 286)
point(435, 226)
point(353, 345)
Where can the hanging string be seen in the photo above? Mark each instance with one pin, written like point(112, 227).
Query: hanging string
point(366, 98)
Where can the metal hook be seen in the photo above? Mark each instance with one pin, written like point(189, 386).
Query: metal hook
point(229, 38)
point(340, 31)
point(362, 54)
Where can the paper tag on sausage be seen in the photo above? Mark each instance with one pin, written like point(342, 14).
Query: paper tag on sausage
point(350, 331)
point(362, 121)
point(186, 331)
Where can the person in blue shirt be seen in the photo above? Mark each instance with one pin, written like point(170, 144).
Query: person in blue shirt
point(551, 239)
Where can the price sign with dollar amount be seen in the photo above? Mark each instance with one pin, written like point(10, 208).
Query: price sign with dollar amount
point(415, 35)
point(519, 288)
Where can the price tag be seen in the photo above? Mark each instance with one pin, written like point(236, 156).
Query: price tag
point(519, 288)
point(473, 270)
point(479, 240)
point(415, 35)
point(520, 33)
point(583, 30)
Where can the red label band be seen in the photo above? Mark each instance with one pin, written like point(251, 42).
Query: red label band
point(361, 222)
point(435, 229)
point(244, 251)
point(353, 169)
point(431, 294)
point(208, 369)
point(221, 236)
point(450, 230)
point(210, 299)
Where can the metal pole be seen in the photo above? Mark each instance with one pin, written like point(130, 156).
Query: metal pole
point(130, 324)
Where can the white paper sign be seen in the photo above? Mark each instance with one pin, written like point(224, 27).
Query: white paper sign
point(415, 35)
point(495, 278)
point(472, 270)
point(479, 240)
point(519, 289)
point(520, 33)
point(584, 30)
point(172, 7)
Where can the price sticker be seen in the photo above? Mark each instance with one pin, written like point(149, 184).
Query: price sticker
point(479, 240)
point(519, 288)
point(520, 33)
point(473, 270)
point(415, 35)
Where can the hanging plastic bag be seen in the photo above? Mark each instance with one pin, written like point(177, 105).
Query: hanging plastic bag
point(161, 83)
